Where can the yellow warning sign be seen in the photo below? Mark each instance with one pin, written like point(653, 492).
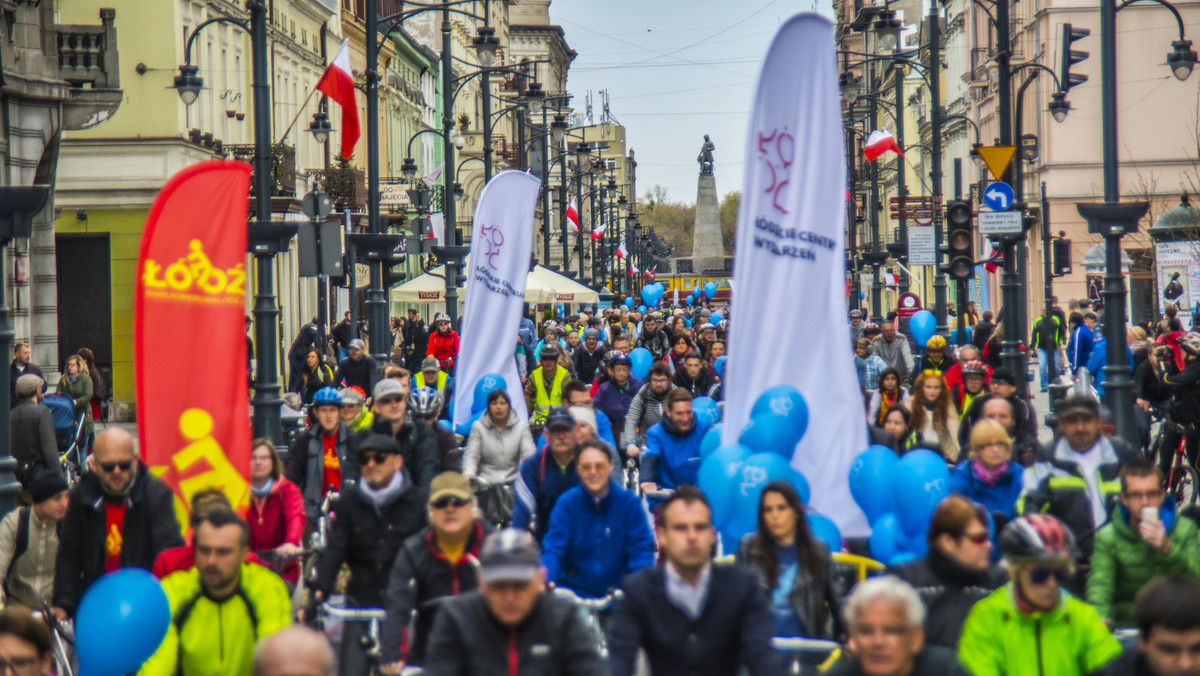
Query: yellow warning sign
point(997, 159)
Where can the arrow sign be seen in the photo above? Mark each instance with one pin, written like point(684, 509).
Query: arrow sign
point(998, 196)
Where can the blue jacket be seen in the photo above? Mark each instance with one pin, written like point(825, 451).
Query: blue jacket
point(674, 460)
point(539, 486)
point(592, 544)
point(999, 498)
point(615, 402)
point(605, 432)
point(1079, 348)
point(1099, 360)
point(528, 332)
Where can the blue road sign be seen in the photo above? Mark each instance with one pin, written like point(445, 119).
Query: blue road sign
point(998, 196)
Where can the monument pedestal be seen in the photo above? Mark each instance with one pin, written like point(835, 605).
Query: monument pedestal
point(708, 250)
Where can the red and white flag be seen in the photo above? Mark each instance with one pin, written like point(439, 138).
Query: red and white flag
point(633, 270)
point(573, 216)
point(649, 274)
point(598, 233)
point(993, 258)
point(879, 142)
point(434, 175)
point(621, 250)
point(338, 84)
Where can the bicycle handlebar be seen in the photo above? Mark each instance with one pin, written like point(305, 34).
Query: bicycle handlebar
point(354, 614)
point(800, 644)
point(603, 603)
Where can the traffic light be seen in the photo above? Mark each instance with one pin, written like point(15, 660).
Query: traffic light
point(1060, 248)
point(960, 240)
point(1069, 57)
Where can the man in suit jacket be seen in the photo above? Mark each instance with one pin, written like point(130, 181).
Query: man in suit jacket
point(687, 614)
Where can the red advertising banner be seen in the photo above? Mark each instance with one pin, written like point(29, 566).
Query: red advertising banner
point(188, 334)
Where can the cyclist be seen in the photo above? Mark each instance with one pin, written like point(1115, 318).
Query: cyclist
point(599, 531)
point(672, 455)
point(319, 456)
point(616, 393)
point(294, 651)
point(443, 343)
point(1032, 625)
point(1183, 385)
point(646, 409)
point(934, 359)
point(498, 444)
point(221, 606)
point(1168, 622)
point(654, 338)
point(426, 404)
point(972, 376)
point(547, 475)
point(544, 388)
point(354, 415)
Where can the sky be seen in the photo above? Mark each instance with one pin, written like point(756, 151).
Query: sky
point(674, 71)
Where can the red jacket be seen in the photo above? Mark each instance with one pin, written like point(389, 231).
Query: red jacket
point(954, 375)
point(444, 348)
point(276, 519)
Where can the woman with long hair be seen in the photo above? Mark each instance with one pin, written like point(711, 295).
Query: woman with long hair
point(681, 345)
point(933, 415)
point(76, 383)
point(98, 393)
point(887, 396)
point(313, 376)
point(793, 566)
point(276, 512)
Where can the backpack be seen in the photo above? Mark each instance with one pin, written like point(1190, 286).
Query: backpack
point(21, 545)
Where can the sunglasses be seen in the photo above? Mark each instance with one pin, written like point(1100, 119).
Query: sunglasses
point(451, 501)
point(1041, 576)
point(977, 538)
point(368, 458)
point(108, 467)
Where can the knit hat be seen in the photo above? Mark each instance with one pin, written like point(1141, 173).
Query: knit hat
point(584, 415)
point(46, 484)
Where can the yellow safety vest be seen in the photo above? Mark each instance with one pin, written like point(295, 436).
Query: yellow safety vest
point(441, 380)
point(543, 402)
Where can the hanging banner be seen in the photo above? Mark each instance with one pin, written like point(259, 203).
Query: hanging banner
point(189, 299)
point(496, 272)
point(790, 253)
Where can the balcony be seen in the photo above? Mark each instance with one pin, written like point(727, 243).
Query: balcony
point(347, 186)
point(283, 166)
point(87, 61)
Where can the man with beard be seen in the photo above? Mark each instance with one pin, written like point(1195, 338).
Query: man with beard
point(653, 338)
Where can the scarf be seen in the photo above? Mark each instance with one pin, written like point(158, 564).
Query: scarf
point(886, 401)
point(72, 379)
point(264, 491)
point(989, 477)
point(384, 495)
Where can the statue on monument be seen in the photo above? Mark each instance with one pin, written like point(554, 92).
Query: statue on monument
point(705, 158)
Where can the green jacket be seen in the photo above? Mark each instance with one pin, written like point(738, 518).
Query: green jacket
point(1122, 562)
point(81, 392)
point(999, 640)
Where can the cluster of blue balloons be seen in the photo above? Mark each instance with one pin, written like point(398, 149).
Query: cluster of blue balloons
point(898, 496)
point(733, 475)
point(922, 325)
point(652, 294)
point(121, 621)
point(483, 387)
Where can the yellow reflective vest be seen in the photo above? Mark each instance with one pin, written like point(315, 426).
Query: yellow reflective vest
point(544, 401)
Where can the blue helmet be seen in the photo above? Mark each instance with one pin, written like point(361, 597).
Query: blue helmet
point(327, 396)
point(425, 401)
point(616, 359)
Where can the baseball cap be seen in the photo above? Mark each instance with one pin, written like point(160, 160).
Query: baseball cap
point(380, 443)
point(509, 555)
point(449, 485)
point(1003, 375)
point(559, 417)
point(28, 385)
point(583, 414)
point(357, 344)
point(1076, 406)
point(430, 364)
point(388, 387)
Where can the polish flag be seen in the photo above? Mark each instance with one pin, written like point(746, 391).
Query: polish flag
point(879, 142)
point(992, 256)
point(633, 270)
point(598, 233)
point(338, 84)
point(573, 215)
point(889, 280)
point(434, 175)
point(649, 274)
point(621, 250)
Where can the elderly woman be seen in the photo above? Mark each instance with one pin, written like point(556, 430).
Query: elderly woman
point(885, 619)
point(988, 475)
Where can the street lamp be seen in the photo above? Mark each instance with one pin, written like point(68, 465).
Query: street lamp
point(1181, 59)
point(850, 86)
point(486, 44)
point(1060, 106)
point(887, 28)
point(188, 83)
point(408, 169)
point(457, 139)
point(320, 127)
point(534, 97)
point(558, 129)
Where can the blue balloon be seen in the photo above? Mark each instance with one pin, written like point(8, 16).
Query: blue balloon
point(919, 482)
point(917, 543)
point(696, 291)
point(640, 361)
point(903, 557)
point(824, 529)
point(885, 539)
point(710, 290)
point(719, 365)
point(648, 295)
point(922, 325)
point(770, 433)
point(465, 428)
point(720, 477)
point(711, 441)
point(798, 482)
point(126, 608)
point(642, 309)
point(871, 481)
point(690, 299)
point(445, 424)
point(786, 401)
point(715, 317)
point(731, 534)
point(484, 387)
point(629, 302)
point(759, 470)
point(706, 409)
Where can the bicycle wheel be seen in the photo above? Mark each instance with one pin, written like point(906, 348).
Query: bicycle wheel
point(1185, 486)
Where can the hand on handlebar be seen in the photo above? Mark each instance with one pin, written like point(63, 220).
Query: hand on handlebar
point(60, 614)
point(1143, 404)
point(633, 451)
point(649, 487)
point(287, 549)
point(393, 669)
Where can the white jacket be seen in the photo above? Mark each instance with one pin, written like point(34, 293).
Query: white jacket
point(495, 455)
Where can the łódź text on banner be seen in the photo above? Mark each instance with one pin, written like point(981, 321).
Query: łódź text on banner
point(790, 266)
point(193, 419)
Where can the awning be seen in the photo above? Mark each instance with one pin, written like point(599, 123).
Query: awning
point(543, 285)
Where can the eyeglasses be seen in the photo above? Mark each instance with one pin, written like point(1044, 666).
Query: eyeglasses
point(109, 467)
point(1040, 576)
point(17, 664)
point(978, 538)
point(451, 501)
point(368, 458)
point(1144, 496)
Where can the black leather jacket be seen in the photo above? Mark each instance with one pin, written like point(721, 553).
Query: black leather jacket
point(814, 598)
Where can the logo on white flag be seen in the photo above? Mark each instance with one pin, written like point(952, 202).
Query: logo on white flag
point(777, 151)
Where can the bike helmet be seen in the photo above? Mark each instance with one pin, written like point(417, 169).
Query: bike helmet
point(326, 396)
point(424, 401)
point(441, 317)
point(619, 358)
point(723, 325)
point(1037, 537)
point(936, 343)
point(1190, 343)
point(706, 327)
point(549, 351)
point(974, 368)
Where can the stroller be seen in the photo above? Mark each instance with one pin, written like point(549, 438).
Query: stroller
point(68, 433)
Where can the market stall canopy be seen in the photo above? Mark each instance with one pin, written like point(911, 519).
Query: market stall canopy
point(543, 285)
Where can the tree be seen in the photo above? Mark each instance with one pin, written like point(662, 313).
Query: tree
point(672, 221)
point(730, 204)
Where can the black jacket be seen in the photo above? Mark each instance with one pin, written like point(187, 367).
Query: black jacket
point(698, 387)
point(1184, 389)
point(587, 366)
point(341, 335)
point(421, 577)
point(305, 465)
point(31, 429)
point(13, 374)
point(658, 343)
point(1130, 663)
point(815, 598)
point(367, 538)
point(150, 527)
point(948, 591)
point(981, 333)
point(416, 336)
point(418, 446)
point(552, 641)
point(734, 627)
point(363, 373)
point(309, 337)
point(931, 661)
point(1024, 419)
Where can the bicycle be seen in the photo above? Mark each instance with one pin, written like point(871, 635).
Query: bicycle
point(1182, 481)
point(372, 617)
point(63, 635)
point(807, 655)
point(495, 501)
point(633, 474)
point(592, 609)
